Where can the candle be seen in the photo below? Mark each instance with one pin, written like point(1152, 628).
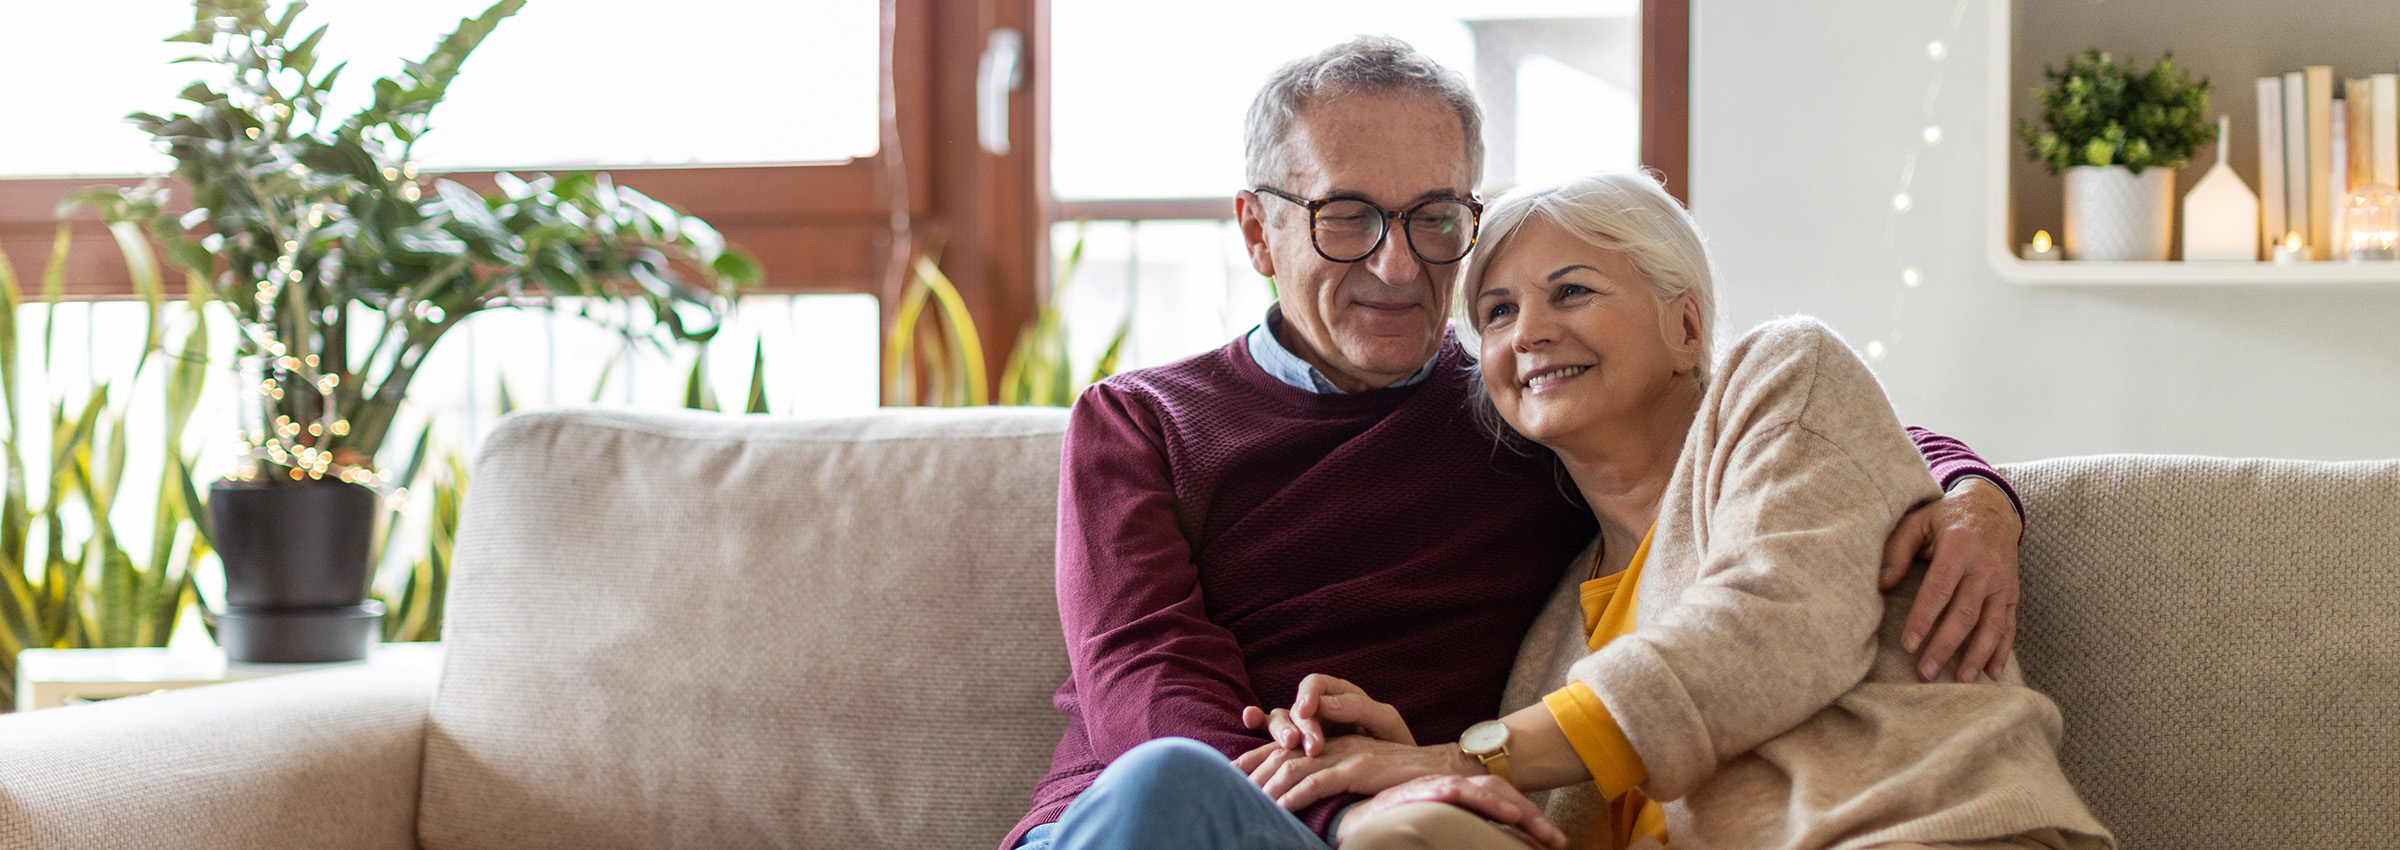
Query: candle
point(2290, 250)
point(2041, 248)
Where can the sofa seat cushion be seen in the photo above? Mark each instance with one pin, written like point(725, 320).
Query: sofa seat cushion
point(708, 631)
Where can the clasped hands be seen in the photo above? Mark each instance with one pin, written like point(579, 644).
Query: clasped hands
point(1335, 740)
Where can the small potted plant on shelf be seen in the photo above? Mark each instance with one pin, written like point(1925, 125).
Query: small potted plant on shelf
point(342, 268)
point(2118, 136)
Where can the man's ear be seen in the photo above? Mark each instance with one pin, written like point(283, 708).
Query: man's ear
point(1253, 216)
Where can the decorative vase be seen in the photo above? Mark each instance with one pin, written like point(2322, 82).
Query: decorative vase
point(296, 570)
point(2115, 214)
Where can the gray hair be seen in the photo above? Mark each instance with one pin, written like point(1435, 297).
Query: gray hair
point(1368, 64)
point(1622, 211)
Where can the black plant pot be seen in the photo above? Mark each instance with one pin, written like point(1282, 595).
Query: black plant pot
point(296, 570)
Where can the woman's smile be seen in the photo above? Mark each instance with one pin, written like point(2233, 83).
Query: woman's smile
point(1547, 378)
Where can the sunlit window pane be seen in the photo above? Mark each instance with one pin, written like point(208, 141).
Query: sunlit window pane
point(1134, 115)
point(564, 83)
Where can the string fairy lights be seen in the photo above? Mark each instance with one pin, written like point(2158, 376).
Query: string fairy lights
point(1904, 198)
point(306, 450)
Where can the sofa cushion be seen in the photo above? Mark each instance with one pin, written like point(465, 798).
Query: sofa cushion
point(695, 630)
point(2223, 637)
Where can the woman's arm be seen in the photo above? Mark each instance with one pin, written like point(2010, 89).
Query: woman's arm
point(1795, 471)
point(1540, 754)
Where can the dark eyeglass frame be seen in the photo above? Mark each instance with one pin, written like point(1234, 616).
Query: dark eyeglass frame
point(1474, 223)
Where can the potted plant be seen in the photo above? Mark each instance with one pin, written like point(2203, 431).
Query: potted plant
point(2118, 136)
point(342, 269)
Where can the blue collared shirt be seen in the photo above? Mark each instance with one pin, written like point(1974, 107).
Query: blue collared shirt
point(1287, 367)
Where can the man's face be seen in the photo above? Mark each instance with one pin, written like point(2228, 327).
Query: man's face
point(1368, 323)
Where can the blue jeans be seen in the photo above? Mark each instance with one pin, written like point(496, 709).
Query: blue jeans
point(1173, 794)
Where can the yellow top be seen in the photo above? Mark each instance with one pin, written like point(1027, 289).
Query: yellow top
point(1616, 768)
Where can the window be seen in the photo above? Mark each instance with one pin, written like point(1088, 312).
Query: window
point(1147, 135)
point(591, 83)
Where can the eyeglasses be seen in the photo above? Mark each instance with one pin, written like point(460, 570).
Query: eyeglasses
point(1346, 230)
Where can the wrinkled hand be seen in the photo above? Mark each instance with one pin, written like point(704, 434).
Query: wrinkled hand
point(1970, 536)
point(1351, 764)
point(1321, 700)
point(1488, 796)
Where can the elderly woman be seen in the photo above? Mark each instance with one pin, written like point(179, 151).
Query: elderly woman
point(1744, 684)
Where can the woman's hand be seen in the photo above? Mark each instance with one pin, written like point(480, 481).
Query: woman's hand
point(1356, 764)
point(1487, 796)
point(1322, 700)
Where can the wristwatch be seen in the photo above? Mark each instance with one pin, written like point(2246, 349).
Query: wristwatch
point(1488, 743)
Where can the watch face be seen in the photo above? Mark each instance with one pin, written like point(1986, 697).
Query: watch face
point(1485, 737)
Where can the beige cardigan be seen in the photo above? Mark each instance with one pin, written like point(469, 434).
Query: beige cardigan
point(1764, 686)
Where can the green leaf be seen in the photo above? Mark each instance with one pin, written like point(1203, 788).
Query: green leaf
point(758, 379)
point(1116, 345)
point(303, 56)
point(601, 386)
point(187, 380)
point(696, 392)
point(470, 210)
point(118, 621)
point(11, 295)
point(959, 326)
point(2097, 112)
point(142, 265)
point(739, 266)
point(900, 384)
point(193, 505)
point(284, 25)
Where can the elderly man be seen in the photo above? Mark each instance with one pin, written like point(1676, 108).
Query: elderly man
point(1316, 497)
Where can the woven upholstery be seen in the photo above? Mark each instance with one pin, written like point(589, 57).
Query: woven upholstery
point(2223, 637)
point(699, 631)
point(327, 760)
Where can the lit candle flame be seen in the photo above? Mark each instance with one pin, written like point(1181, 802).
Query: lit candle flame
point(2041, 241)
point(2291, 240)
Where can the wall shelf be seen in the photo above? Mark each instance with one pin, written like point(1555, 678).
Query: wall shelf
point(2073, 273)
point(2000, 228)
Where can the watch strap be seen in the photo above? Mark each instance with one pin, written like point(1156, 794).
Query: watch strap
point(1497, 763)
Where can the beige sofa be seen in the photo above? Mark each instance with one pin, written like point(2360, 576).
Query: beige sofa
point(699, 631)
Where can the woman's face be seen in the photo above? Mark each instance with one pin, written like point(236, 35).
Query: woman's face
point(1574, 340)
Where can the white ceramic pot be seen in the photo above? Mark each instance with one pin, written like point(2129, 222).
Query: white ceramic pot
point(2114, 214)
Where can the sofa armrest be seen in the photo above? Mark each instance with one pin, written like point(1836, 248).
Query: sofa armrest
point(326, 759)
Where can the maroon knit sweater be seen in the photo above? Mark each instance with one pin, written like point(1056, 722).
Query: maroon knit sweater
point(1222, 535)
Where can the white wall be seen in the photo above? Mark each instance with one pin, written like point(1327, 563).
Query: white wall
point(1803, 115)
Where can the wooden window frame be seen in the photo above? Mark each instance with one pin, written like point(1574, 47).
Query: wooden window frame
point(830, 228)
point(815, 228)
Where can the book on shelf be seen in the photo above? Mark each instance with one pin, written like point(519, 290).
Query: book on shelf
point(2358, 101)
point(2295, 153)
point(2319, 82)
point(2385, 131)
point(2337, 177)
point(2272, 205)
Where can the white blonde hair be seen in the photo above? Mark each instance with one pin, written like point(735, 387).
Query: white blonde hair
point(1622, 211)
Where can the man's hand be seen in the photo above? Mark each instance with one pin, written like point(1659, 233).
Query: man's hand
point(1488, 796)
point(1322, 700)
point(1326, 702)
point(1355, 764)
point(1970, 536)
